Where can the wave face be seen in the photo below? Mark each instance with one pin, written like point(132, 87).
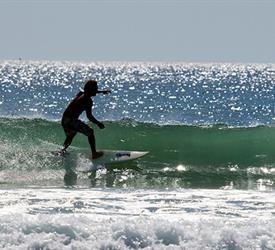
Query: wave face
point(180, 155)
point(191, 94)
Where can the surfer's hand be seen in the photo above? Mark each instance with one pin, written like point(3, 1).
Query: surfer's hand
point(100, 125)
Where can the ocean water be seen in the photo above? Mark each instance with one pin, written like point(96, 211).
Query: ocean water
point(207, 183)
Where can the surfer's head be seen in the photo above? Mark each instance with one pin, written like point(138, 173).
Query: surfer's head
point(90, 88)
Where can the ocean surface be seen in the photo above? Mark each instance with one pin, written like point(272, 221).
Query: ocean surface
point(207, 183)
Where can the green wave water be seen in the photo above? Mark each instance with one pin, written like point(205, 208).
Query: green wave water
point(180, 155)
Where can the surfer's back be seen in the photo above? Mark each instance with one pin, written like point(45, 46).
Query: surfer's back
point(80, 103)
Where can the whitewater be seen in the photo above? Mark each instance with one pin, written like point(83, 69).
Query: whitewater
point(207, 183)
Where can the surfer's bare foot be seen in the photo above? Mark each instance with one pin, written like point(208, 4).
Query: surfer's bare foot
point(61, 152)
point(97, 154)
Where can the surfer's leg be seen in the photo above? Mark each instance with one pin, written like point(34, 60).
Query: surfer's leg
point(89, 132)
point(69, 138)
point(70, 132)
point(91, 139)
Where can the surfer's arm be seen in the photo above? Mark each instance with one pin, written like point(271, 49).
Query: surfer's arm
point(104, 91)
point(93, 119)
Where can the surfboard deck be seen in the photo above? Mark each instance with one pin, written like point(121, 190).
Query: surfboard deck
point(109, 157)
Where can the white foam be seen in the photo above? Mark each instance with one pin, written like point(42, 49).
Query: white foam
point(85, 232)
point(142, 219)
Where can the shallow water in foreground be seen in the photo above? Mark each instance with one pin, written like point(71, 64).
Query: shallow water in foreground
point(57, 218)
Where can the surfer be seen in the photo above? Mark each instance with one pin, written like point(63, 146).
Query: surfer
point(70, 119)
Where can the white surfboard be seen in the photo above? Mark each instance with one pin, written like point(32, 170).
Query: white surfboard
point(109, 157)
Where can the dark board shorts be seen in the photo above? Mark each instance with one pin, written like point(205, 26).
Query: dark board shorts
point(71, 126)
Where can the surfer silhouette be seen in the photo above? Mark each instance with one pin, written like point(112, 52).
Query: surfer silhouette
point(71, 122)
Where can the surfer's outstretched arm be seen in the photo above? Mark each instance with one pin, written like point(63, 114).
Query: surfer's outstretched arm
point(104, 91)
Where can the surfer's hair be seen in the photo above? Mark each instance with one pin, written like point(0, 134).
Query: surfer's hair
point(90, 86)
